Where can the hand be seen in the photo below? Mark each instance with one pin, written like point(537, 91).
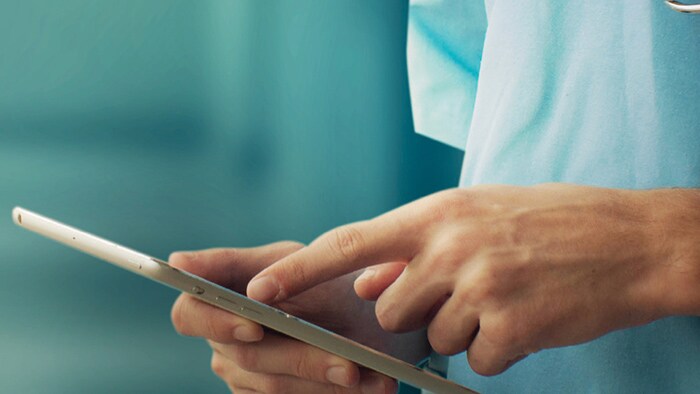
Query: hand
point(250, 359)
point(504, 271)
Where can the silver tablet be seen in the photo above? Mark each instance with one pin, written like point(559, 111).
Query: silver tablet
point(233, 302)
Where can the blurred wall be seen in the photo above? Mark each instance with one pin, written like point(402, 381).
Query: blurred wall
point(171, 124)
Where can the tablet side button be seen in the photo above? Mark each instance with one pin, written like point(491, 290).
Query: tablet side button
point(236, 306)
point(244, 309)
point(198, 290)
point(226, 301)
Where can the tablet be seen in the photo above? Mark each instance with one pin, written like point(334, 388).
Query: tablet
point(236, 303)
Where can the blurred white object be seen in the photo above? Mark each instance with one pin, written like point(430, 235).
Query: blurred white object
point(682, 7)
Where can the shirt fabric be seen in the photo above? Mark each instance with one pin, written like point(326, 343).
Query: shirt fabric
point(603, 93)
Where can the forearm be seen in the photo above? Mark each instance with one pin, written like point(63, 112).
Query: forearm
point(674, 235)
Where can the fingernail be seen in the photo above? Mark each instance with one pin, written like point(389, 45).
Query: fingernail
point(368, 274)
point(373, 385)
point(246, 334)
point(176, 257)
point(338, 375)
point(263, 289)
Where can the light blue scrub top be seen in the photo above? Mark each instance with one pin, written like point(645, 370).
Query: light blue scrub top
point(591, 92)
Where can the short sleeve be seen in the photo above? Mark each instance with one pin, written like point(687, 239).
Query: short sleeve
point(445, 41)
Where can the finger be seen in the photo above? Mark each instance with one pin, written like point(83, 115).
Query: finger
point(373, 382)
point(232, 267)
point(376, 279)
point(282, 355)
point(488, 358)
point(340, 251)
point(225, 369)
point(242, 381)
point(452, 329)
point(409, 302)
point(193, 317)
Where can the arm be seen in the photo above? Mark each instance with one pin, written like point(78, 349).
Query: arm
point(504, 271)
point(675, 234)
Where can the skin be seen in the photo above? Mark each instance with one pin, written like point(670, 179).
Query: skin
point(251, 360)
point(504, 271)
point(498, 271)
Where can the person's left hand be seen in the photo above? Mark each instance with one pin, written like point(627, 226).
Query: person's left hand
point(250, 359)
point(499, 271)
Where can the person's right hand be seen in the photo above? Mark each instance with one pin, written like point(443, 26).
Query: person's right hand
point(250, 359)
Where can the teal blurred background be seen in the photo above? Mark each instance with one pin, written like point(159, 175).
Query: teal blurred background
point(169, 125)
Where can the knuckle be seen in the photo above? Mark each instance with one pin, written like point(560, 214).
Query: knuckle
point(447, 255)
point(494, 282)
point(480, 366)
point(291, 245)
point(481, 362)
point(449, 202)
point(485, 287)
point(515, 229)
point(246, 358)
point(217, 330)
point(439, 338)
point(507, 266)
point(347, 241)
point(295, 269)
point(217, 365)
point(300, 366)
point(443, 343)
point(387, 316)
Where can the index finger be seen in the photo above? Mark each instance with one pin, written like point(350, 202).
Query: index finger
point(340, 251)
point(231, 267)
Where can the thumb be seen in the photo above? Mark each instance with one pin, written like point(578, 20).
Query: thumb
point(231, 267)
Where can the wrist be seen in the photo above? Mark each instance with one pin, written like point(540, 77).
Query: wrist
point(673, 233)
